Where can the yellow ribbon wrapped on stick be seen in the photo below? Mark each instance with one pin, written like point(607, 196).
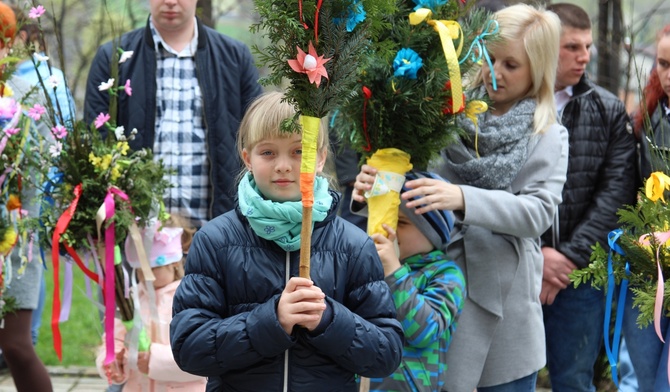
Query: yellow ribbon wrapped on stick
point(384, 197)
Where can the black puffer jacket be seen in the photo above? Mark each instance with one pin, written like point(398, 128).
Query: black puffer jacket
point(601, 172)
point(228, 81)
point(655, 145)
point(225, 324)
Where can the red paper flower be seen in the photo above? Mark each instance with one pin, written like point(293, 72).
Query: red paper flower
point(310, 64)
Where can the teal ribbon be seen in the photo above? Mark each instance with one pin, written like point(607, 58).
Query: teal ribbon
point(477, 48)
point(613, 351)
point(54, 177)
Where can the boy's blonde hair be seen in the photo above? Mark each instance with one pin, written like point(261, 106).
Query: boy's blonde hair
point(263, 119)
point(540, 31)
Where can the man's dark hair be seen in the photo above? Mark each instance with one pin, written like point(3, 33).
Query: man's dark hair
point(571, 15)
point(31, 28)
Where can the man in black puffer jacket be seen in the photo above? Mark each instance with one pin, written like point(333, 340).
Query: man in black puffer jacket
point(601, 179)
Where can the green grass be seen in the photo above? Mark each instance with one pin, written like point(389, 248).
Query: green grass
point(81, 334)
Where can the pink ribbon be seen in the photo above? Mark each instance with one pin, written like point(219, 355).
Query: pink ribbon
point(67, 294)
point(3, 143)
point(110, 300)
point(661, 238)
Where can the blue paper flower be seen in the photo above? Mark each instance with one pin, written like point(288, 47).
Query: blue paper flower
point(355, 15)
point(430, 4)
point(407, 63)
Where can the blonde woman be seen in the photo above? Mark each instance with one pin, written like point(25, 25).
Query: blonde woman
point(506, 178)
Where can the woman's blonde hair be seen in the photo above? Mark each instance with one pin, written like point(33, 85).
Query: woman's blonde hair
point(263, 119)
point(540, 31)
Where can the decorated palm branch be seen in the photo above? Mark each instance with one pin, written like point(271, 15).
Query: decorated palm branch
point(317, 46)
point(638, 257)
point(410, 92)
point(97, 192)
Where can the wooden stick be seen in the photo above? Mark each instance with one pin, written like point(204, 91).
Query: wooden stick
point(305, 241)
point(125, 305)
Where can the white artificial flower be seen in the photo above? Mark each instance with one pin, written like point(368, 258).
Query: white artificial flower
point(120, 133)
point(53, 81)
point(55, 149)
point(106, 86)
point(125, 56)
point(40, 57)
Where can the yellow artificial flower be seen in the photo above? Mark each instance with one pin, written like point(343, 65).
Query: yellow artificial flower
point(8, 241)
point(94, 160)
point(115, 173)
point(106, 161)
point(123, 147)
point(7, 91)
point(656, 185)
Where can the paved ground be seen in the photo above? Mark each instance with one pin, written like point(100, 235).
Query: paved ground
point(71, 379)
point(80, 379)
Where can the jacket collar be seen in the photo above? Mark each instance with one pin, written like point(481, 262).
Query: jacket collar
point(584, 86)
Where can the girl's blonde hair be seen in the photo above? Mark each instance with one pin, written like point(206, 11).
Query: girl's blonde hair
point(263, 119)
point(540, 31)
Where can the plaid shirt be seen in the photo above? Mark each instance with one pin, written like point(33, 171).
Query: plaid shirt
point(180, 130)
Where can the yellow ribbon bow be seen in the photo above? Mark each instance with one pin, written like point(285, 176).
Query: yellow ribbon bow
point(448, 30)
point(471, 111)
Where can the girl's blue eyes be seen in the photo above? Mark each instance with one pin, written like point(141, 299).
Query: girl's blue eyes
point(266, 153)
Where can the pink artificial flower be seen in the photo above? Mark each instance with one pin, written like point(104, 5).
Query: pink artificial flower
point(8, 108)
point(36, 112)
point(311, 64)
point(36, 12)
point(127, 88)
point(101, 119)
point(59, 131)
point(11, 131)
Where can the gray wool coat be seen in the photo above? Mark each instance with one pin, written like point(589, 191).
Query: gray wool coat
point(500, 334)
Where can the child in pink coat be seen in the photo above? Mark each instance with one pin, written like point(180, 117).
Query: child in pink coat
point(156, 369)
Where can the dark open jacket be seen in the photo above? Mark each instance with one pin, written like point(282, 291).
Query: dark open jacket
point(225, 324)
point(602, 172)
point(228, 80)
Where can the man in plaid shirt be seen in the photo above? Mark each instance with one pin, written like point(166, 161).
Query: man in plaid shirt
point(190, 88)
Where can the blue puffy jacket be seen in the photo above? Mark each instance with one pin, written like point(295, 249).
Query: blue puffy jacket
point(225, 324)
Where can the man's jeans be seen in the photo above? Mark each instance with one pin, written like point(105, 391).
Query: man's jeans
point(647, 353)
point(574, 333)
point(525, 384)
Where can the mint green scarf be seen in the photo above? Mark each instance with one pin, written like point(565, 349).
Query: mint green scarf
point(280, 221)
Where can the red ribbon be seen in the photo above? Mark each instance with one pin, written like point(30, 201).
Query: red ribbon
point(61, 226)
point(367, 94)
point(316, 19)
point(300, 14)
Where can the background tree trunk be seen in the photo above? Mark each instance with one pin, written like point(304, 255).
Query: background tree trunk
point(610, 37)
point(205, 12)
